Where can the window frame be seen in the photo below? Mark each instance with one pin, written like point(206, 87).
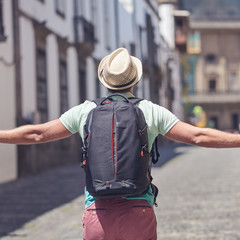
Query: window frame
point(59, 10)
point(211, 58)
point(212, 82)
point(2, 29)
point(64, 101)
point(41, 78)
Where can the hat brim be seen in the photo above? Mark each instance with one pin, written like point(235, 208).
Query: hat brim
point(138, 65)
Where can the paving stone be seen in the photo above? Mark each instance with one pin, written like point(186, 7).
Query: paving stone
point(199, 192)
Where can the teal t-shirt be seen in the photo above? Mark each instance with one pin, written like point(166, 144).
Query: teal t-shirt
point(158, 119)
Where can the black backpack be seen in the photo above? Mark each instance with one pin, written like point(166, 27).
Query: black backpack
point(116, 159)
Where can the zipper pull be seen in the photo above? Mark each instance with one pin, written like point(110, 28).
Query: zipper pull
point(143, 149)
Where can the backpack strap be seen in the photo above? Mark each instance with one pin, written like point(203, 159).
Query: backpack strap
point(132, 100)
point(98, 101)
point(155, 193)
point(155, 153)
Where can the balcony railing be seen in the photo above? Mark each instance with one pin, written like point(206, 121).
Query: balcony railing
point(84, 33)
point(214, 97)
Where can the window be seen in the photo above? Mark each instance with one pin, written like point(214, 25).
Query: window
point(82, 84)
point(63, 87)
point(98, 87)
point(212, 85)
point(233, 81)
point(106, 24)
point(235, 121)
point(60, 6)
point(133, 49)
point(211, 58)
point(143, 42)
point(94, 17)
point(2, 35)
point(214, 122)
point(42, 101)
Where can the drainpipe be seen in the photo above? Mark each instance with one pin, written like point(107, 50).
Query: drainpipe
point(16, 49)
point(116, 14)
point(18, 84)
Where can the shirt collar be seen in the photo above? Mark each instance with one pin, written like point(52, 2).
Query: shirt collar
point(125, 94)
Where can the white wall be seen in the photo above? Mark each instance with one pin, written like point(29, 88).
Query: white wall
point(100, 50)
point(28, 67)
point(59, 26)
point(91, 79)
point(72, 71)
point(46, 12)
point(177, 84)
point(100, 47)
point(8, 158)
point(125, 27)
point(53, 84)
point(167, 23)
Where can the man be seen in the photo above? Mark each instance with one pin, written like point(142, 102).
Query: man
point(130, 217)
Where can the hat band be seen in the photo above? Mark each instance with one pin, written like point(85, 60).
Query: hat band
point(124, 85)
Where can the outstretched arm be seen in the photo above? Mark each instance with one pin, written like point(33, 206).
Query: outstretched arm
point(204, 137)
point(32, 134)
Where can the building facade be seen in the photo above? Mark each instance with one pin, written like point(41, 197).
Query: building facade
point(49, 54)
point(8, 164)
point(216, 84)
point(171, 52)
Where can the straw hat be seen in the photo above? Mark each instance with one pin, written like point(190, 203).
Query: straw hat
point(119, 70)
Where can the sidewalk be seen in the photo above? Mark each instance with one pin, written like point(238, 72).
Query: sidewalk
point(49, 206)
point(199, 192)
point(62, 223)
point(53, 195)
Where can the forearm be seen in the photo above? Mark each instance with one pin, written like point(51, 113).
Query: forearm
point(204, 137)
point(212, 138)
point(27, 134)
point(33, 134)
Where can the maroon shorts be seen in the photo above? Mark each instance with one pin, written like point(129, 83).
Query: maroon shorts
point(119, 219)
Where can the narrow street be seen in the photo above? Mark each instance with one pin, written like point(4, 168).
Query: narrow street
point(199, 198)
point(199, 195)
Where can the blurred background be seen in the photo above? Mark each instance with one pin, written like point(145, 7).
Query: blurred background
point(50, 51)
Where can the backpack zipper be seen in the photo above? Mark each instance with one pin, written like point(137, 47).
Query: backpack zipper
point(114, 146)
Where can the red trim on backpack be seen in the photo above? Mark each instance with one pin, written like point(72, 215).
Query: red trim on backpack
point(115, 147)
point(88, 137)
point(113, 144)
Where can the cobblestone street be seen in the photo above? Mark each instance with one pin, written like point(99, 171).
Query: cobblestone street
point(199, 198)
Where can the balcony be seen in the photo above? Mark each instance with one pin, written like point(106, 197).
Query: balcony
point(181, 29)
point(84, 35)
point(168, 1)
point(213, 97)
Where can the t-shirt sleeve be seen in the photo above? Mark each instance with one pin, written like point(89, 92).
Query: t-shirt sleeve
point(167, 121)
point(75, 118)
point(69, 120)
point(159, 119)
